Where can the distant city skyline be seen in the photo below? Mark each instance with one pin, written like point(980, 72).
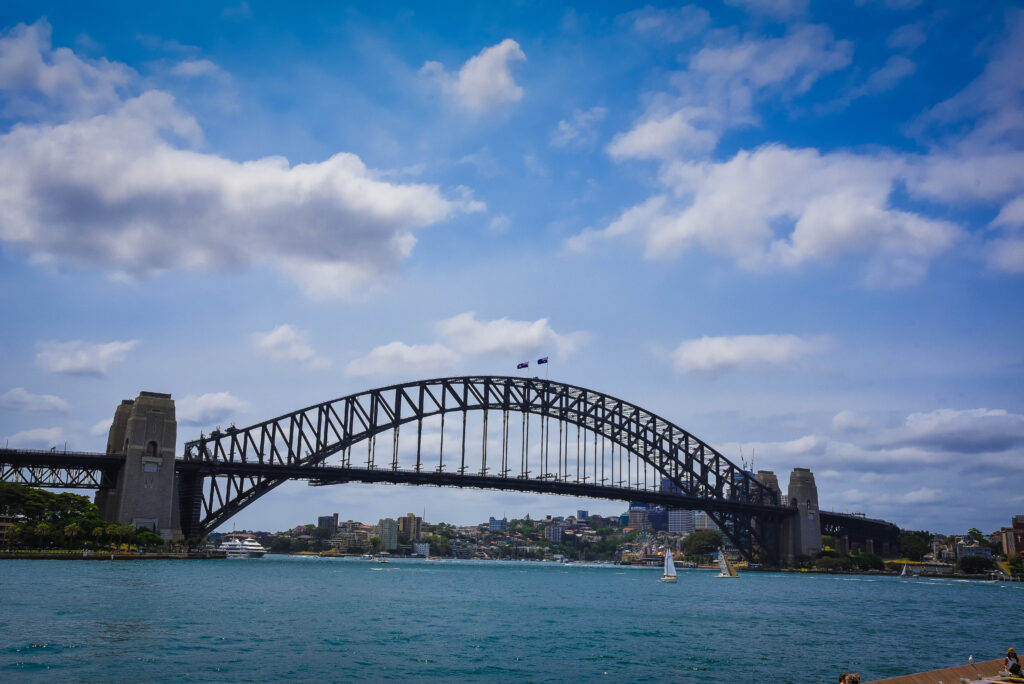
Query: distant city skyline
point(794, 229)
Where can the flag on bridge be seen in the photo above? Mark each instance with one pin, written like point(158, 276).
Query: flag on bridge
point(540, 361)
point(524, 364)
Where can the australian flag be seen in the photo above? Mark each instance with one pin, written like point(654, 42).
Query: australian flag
point(540, 361)
point(524, 364)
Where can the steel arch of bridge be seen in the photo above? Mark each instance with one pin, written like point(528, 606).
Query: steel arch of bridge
point(225, 471)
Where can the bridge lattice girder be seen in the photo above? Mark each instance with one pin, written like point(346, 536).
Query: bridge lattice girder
point(306, 438)
point(58, 469)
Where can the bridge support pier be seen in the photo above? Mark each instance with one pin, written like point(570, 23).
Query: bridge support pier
point(144, 431)
point(803, 530)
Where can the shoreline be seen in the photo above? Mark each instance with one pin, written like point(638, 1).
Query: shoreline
point(111, 555)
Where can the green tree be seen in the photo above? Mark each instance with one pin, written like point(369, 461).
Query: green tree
point(375, 544)
point(914, 545)
point(43, 532)
point(868, 561)
point(702, 542)
point(832, 563)
point(72, 531)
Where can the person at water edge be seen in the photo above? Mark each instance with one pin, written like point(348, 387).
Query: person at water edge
point(1011, 662)
point(849, 678)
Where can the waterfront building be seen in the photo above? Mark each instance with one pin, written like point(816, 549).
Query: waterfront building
point(421, 549)
point(410, 528)
point(582, 515)
point(624, 520)
point(554, 533)
point(968, 550)
point(1013, 536)
point(495, 525)
point(329, 523)
point(350, 542)
point(680, 521)
point(6, 523)
point(657, 517)
point(387, 530)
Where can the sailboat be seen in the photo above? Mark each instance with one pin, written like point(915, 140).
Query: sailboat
point(670, 568)
point(724, 566)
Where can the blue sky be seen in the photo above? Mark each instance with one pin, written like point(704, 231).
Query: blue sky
point(793, 228)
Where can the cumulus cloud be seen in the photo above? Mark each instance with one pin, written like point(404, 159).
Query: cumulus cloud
point(286, 343)
point(398, 358)
point(32, 73)
point(778, 208)
point(485, 82)
point(669, 25)
point(923, 495)
point(101, 427)
point(663, 136)
point(208, 409)
point(716, 354)
point(19, 399)
point(122, 190)
point(505, 336)
point(849, 421)
point(580, 130)
point(81, 358)
point(969, 431)
point(465, 336)
point(38, 438)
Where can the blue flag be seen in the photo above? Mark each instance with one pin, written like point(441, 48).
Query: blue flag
point(540, 361)
point(524, 364)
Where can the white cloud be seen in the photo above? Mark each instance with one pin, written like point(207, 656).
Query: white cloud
point(717, 354)
point(849, 421)
point(580, 130)
point(778, 9)
point(197, 68)
point(398, 358)
point(19, 399)
point(908, 37)
point(81, 358)
point(1011, 215)
point(30, 69)
point(39, 438)
point(119, 191)
point(777, 208)
point(721, 86)
point(499, 224)
point(1006, 254)
point(287, 343)
point(969, 431)
point(992, 103)
point(208, 409)
point(485, 82)
point(663, 137)
point(669, 25)
point(505, 336)
point(923, 495)
point(101, 428)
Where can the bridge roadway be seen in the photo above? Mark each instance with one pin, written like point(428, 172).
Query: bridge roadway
point(91, 470)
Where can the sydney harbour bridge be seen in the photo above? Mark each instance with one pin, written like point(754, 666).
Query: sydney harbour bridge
point(484, 432)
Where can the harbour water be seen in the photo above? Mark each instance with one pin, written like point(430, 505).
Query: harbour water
point(353, 620)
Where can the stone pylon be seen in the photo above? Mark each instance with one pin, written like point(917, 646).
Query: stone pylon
point(145, 432)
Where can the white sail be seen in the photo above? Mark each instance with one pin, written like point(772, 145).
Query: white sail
point(670, 567)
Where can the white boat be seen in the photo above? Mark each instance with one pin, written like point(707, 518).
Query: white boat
point(670, 568)
point(242, 547)
point(725, 568)
point(379, 559)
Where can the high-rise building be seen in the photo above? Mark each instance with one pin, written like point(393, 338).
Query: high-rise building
point(554, 533)
point(657, 517)
point(495, 525)
point(701, 521)
point(638, 518)
point(328, 522)
point(410, 528)
point(582, 515)
point(680, 521)
point(387, 530)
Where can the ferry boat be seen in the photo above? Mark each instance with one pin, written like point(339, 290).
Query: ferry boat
point(242, 547)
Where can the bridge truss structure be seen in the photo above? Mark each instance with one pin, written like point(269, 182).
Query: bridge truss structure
point(492, 432)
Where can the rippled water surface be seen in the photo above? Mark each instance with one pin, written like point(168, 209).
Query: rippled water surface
point(352, 620)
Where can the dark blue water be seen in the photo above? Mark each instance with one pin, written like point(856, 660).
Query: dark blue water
point(352, 620)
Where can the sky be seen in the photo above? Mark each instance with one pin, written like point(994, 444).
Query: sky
point(795, 229)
